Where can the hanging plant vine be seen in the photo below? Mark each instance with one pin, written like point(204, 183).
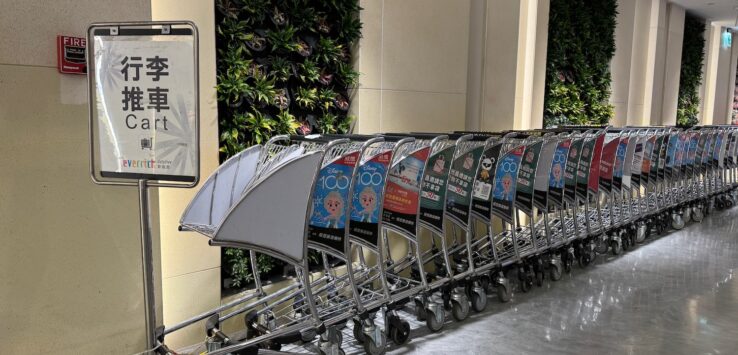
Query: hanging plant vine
point(690, 77)
point(283, 67)
point(581, 43)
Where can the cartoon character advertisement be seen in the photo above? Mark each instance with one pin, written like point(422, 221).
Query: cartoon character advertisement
point(647, 159)
point(617, 174)
point(433, 187)
point(526, 177)
point(482, 191)
point(368, 190)
point(556, 175)
point(402, 195)
point(657, 167)
point(461, 184)
point(570, 173)
point(330, 202)
point(692, 152)
point(718, 147)
point(607, 162)
point(506, 174)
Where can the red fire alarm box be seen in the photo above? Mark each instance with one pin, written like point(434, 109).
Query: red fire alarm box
point(71, 54)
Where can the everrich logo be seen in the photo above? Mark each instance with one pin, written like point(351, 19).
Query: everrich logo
point(146, 164)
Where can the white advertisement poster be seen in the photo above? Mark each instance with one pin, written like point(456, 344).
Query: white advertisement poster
point(146, 107)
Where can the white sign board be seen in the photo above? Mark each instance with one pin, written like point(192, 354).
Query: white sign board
point(145, 104)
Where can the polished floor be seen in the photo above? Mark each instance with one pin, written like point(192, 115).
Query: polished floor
point(674, 294)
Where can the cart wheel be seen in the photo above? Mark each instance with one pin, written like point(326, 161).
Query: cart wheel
point(555, 272)
point(601, 245)
point(460, 310)
point(697, 214)
point(419, 311)
point(479, 301)
point(616, 247)
point(373, 348)
point(484, 283)
point(341, 352)
point(400, 334)
point(503, 294)
point(526, 283)
point(337, 337)
point(432, 322)
point(585, 259)
point(359, 332)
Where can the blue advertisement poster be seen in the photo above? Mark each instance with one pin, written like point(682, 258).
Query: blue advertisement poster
point(367, 195)
point(330, 202)
point(505, 177)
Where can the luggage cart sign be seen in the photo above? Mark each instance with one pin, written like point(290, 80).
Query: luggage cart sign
point(400, 208)
point(593, 180)
point(482, 193)
point(617, 174)
point(527, 176)
point(657, 169)
point(647, 160)
point(540, 187)
point(556, 174)
point(585, 161)
point(330, 202)
point(570, 173)
point(698, 153)
point(717, 150)
point(671, 150)
point(143, 97)
point(433, 188)
point(681, 153)
point(461, 184)
point(506, 174)
point(607, 163)
point(692, 153)
point(635, 168)
point(368, 189)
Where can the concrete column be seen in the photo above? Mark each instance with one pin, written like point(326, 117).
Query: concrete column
point(641, 51)
point(672, 69)
point(514, 66)
point(725, 84)
point(620, 66)
point(711, 71)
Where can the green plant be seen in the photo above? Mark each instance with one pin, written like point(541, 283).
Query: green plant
point(255, 10)
point(286, 123)
point(328, 51)
point(232, 87)
point(232, 29)
point(229, 8)
point(302, 15)
point(581, 43)
point(234, 60)
point(349, 29)
point(239, 267)
point(691, 71)
point(282, 39)
point(347, 75)
point(328, 123)
point(344, 125)
point(309, 71)
point(281, 69)
point(326, 97)
point(262, 91)
point(307, 97)
point(260, 126)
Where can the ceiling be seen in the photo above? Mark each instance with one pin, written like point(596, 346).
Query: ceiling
point(713, 10)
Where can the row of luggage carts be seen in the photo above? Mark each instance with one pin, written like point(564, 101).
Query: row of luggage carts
point(432, 223)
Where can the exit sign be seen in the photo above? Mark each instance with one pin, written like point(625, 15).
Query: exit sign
point(71, 55)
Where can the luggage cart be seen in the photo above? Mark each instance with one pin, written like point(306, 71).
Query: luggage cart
point(401, 216)
point(229, 210)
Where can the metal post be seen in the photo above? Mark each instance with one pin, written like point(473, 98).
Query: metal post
point(147, 262)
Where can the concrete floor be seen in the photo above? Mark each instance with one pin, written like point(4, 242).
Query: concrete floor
point(674, 294)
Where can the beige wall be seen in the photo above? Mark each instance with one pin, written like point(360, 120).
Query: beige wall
point(413, 64)
point(70, 265)
point(620, 66)
point(190, 267)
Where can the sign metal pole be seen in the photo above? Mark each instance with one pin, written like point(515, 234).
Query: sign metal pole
point(147, 262)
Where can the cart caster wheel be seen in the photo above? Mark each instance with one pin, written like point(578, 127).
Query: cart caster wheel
point(432, 320)
point(479, 301)
point(359, 332)
point(485, 283)
point(503, 293)
point(419, 311)
point(526, 284)
point(677, 222)
point(400, 334)
point(460, 310)
point(585, 259)
point(555, 272)
point(601, 245)
point(616, 248)
point(372, 348)
point(697, 214)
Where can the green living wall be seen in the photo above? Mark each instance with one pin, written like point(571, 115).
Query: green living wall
point(693, 53)
point(283, 67)
point(581, 43)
